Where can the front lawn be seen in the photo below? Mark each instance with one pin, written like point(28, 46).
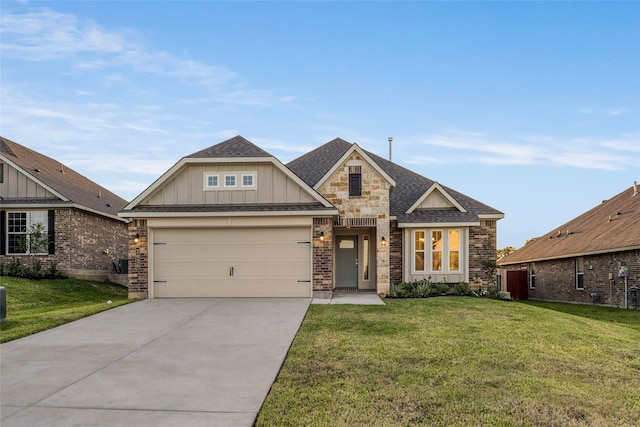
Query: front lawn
point(36, 305)
point(457, 361)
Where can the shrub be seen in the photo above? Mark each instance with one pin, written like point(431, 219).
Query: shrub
point(462, 288)
point(16, 269)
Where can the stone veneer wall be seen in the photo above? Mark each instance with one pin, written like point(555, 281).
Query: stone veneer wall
point(138, 259)
point(373, 203)
point(86, 245)
point(395, 253)
point(322, 255)
point(482, 247)
point(556, 279)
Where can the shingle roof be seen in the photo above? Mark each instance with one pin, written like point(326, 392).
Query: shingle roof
point(611, 226)
point(60, 178)
point(274, 207)
point(410, 186)
point(234, 147)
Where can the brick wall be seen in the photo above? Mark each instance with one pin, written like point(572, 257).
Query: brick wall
point(395, 253)
point(556, 279)
point(138, 259)
point(85, 244)
point(322, 255)
point(482, 247)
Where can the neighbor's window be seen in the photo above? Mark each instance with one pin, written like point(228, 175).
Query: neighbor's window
point(1, 173)
point(229, 180)
point(355, 181)
point(366, 256)
point(532, 276)
point(212, 181)
point(436, 250)
point(580, 273)
point(27, 233)
point(419, 251)
point(454, 250)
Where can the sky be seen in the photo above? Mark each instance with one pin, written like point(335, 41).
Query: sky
point(532, 108)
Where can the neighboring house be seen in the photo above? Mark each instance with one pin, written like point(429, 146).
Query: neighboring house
point(232, 220)
point(82, 234)
point(596, 253)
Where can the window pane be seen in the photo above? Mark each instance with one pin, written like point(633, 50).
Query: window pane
point(212, 181)
point(436, 240)
point(453, 260)
point(579, 265)
point(355, 185)
point(437, 261)
point(230, 181)
point(419, 240)
point(419, 261)
point(247, 180)
point(454, 240)
point(365, 254)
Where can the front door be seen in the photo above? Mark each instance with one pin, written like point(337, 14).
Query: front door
point(347, 262)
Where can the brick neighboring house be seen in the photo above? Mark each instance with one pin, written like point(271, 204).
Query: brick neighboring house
point(232, 220)
point(84, 235)
point(597, 252)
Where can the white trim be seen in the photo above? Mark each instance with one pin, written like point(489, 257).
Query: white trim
point(189, 161)
point(436, 186)
point(36, 206)
point(491, 216)
point(463, 251)
point(208, 175)
point(573, 255)
point(437, 224)
point(235, 180)
point(354, 148)
point(319, 214)
point(254, 178)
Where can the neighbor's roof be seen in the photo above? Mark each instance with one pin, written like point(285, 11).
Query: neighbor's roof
point(410, 186)
point(73, 188)
point(612, 226)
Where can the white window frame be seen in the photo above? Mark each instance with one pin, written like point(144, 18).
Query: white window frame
point(29, 222)
point(206, 181)
point(248, 175)
point(532, 275)
point(446, 251)
point(579, 274)
point(235, 180)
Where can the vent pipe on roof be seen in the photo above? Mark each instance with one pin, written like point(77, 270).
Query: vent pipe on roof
point(635, 188)
point(390, 139)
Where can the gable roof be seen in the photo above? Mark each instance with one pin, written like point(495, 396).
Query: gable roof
point(612, 226)
point(69, 187)
point(409, 189)
point(232, 150)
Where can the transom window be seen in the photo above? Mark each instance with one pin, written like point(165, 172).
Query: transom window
point(229, 180)
point(442, 254)
point(27, 233)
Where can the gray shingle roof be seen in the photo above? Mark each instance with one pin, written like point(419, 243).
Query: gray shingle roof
point(234, 147)
point(410, 186)
point(228, 208)
point(611, 226)
point(62, 179)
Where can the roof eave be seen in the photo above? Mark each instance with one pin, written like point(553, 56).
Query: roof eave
point(570, 255)
point(313, 213)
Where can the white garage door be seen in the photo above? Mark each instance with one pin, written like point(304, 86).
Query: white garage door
point(241, 262)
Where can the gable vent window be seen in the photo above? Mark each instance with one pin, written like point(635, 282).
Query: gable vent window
point(229, 180)
point(212, 181)
point(355, 181)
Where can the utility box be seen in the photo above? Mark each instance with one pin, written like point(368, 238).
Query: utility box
point(3, 304)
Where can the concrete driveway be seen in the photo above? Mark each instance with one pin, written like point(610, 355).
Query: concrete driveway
point(179, 362)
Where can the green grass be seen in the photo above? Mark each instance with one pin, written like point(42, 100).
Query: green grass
point(456, 361)
point(37, 305)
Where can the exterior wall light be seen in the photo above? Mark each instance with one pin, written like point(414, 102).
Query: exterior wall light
point(322, 236)
point(383, 241)
point(136, 239)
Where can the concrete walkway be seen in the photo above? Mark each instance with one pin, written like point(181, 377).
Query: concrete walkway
point(179, 362)
point(358, 298)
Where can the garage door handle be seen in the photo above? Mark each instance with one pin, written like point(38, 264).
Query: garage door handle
point(304, 281)
point(230, 271)
point(159, 281)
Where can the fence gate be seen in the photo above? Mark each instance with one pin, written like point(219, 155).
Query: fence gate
point(517, 284)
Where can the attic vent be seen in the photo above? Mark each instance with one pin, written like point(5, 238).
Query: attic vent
point(37, 170)
point(356, 222)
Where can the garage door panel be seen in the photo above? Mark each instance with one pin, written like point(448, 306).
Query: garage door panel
point(232, 262)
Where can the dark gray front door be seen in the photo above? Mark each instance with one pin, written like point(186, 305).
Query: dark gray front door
point(347, 262)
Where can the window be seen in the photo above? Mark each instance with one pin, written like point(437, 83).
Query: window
point(532, 276)
point(248, 180)
point(27, 233)
point(580, 273)
point(444, 253)
point(1, 173)
point(229, 180)
point(366, 258)
point(212, 181)
point(454, 250)
point(355, 181)
point(436, 250)
point(419, 257)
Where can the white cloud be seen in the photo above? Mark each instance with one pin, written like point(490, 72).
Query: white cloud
point(583, 153)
